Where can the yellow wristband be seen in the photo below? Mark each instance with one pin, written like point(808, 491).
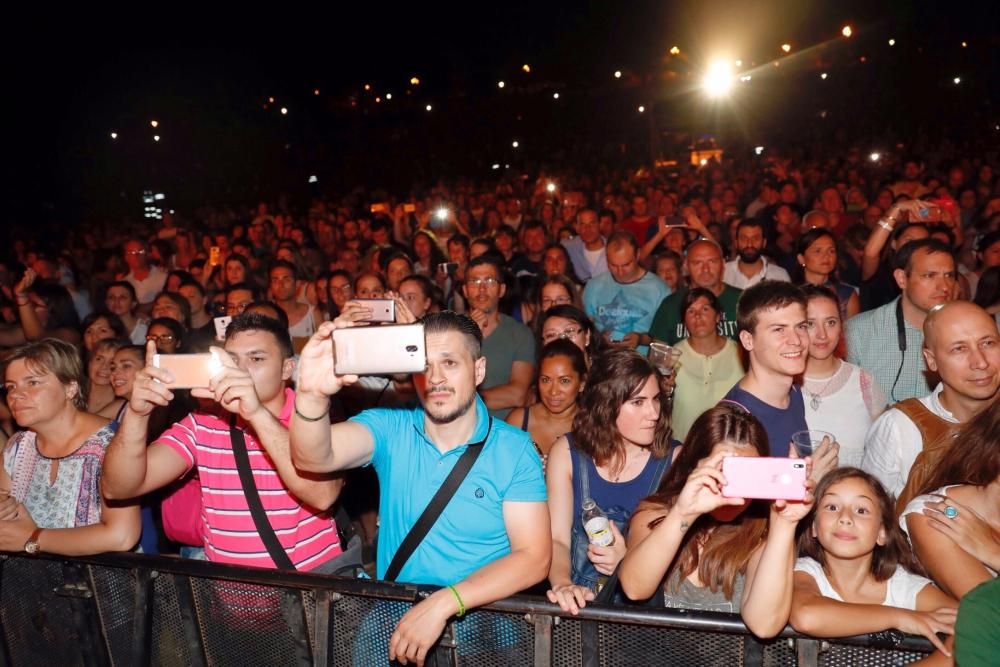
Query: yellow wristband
point(461, 605)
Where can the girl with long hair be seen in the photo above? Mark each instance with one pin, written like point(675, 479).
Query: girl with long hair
point(856, 573)
point(616, 454)
point(701, 550)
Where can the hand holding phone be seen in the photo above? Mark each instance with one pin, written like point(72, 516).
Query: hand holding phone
point(382, 310)
point(702, 492)
point(384, 350)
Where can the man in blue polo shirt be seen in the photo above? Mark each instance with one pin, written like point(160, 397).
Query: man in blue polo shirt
point(493, 538)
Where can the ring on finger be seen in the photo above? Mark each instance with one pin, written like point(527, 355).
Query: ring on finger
point(950, 512)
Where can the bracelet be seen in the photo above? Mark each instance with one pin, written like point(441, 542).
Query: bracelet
point(295, 406)
point(886, 225)
point(461, 605)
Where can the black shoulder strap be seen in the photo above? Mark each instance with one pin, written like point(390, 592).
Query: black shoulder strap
point(267, 536)
point(436, 506)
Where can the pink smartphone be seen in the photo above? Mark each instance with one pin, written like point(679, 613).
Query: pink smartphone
point(396, 348)
point(189, 370)
point(769, 478)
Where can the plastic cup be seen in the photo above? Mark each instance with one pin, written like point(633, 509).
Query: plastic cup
point(806, 442)
point(664, 357)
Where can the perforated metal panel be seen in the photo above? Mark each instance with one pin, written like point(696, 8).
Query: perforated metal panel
point(114, 591)
point(38, 624)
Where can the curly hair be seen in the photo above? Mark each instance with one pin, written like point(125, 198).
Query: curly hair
point(615, 376)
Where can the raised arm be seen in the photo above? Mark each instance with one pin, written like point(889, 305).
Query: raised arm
point(131, 469)
point(311, 436)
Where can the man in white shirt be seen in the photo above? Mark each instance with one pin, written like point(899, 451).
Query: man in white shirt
point(147, 279)
point(750, 266)
point(962, 345)
point(587, 250)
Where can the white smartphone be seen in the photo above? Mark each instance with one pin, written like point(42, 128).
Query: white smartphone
point(394, 348)
point(221, 324)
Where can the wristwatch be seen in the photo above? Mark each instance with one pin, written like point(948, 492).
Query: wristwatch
point(31, 546)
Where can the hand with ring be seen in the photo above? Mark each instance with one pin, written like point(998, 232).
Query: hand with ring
point(966, 528)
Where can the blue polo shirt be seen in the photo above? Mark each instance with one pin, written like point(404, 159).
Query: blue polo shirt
point(470, 532)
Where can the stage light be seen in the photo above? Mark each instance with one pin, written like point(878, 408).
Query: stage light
point(316, 92)
point(428, 107)
point(550, 187)
point(367, 87)
point(515, 144)
point(957, 80)
point(892, 42)
point(414, 81)
point(388, 96)
point(496, 166)
point(718, 79)
point(114, 135)
point(965, 45)
point(526, 68)
point(555, 96)
point(284, 111)
point(156, 137)
point(823, 76)
point(500, 84)
point(846, 31)
point(270, 100)
point(378, 100)
point(618, 74)
point(786, 47)
point(441, 213)
point(875, 157)
point(313, 179)
point(154, 123)
point(759, 150)
point(703, 162)
point(675, 51)
point(642, 109)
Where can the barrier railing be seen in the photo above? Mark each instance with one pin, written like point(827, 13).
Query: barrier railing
point(132, 610)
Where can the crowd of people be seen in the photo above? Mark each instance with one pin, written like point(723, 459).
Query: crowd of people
point(834, 295)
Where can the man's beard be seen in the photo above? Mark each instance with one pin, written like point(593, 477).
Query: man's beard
point(449, 417)
point(749, 255)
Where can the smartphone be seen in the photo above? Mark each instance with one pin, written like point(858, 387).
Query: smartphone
point(190, 371)
point(409, 208)
point(214, 255)
point(383, 310)
point(770, 478)
point(448, 267)
point(379, 350)
point(221, 324)
point(379, 208)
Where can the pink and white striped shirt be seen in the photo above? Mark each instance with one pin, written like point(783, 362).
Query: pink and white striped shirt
point(308, 535)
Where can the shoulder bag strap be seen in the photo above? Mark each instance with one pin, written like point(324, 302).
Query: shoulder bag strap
point(267, 535)
point(437, 504)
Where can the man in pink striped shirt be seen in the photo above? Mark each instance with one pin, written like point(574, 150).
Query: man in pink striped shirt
point(257, 364)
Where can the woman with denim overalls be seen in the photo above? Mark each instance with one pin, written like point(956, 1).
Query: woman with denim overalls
point(617, 453)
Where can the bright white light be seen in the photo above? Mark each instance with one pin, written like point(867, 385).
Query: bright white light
point(526, 68)
point(156, 137)
point(892, 42)
point(555, 96)
point(786, 47)
point(313, 179)
point(441, 213)
point(746, 79)
point(738, 63)
point(428, 107)
point(388, 96)
point(718, 79)
point(114, 135)
point(284, 111)
point(159, 195)
point(874, 157)
point(316, 92)
point(846, 31)
point(642, 109)
point(550, 187)
point(414, 81)
point(965, 45)
point(515, 144)
point(957, 80)
point(154, 123)
point(703, 162)
point(759, 150)
point(500, 84)
point(618, 74)
point(823, 76)
point(675, 50)
point(368, 86)
point(496, 165)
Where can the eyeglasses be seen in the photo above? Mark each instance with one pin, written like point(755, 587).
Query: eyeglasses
point(161, 338)
point(557, 301)
point(343, 289)
point(135, 252)
point(482, 282)
point(237, 308)
point(571, 332)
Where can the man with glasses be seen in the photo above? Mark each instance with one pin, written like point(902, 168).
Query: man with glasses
point(508, 345)
point(147, 279)
point(239, 296)
point(622, 302)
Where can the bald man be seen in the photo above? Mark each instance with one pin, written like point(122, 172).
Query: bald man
point(962, 346)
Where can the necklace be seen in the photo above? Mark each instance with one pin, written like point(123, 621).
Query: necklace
point(816, 398)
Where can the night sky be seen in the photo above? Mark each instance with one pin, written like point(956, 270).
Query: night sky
point(75, 78)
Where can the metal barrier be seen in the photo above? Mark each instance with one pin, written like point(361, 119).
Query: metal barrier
point(132, 610)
